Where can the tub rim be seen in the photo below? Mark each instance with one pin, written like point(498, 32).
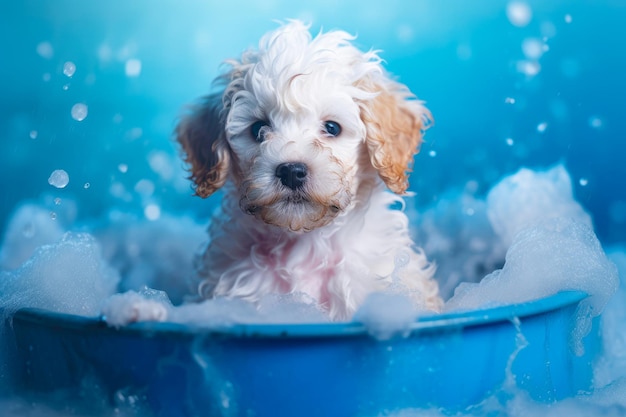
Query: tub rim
point(428, 323)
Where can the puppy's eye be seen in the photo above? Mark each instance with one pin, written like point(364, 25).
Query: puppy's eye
point(332, 128)
point(257, 131)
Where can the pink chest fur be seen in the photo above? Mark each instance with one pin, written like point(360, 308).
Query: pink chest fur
point(299, 264)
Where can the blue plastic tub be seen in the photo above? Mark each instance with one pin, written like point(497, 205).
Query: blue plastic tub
point(450, 361)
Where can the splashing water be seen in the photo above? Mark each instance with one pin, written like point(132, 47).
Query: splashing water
point(520, 343)
point(547, 253)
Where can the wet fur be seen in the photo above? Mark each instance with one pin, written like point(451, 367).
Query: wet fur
point(334, 240)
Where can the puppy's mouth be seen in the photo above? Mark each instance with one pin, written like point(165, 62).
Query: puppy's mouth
point(296, 211)
point(302, 199)
point(296, 200)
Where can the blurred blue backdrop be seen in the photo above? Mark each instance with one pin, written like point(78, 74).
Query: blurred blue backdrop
point(510, 84)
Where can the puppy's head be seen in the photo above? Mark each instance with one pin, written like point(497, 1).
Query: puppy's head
point(302, 124)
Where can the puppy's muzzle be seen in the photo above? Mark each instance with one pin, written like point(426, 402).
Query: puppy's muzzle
point(292, 174)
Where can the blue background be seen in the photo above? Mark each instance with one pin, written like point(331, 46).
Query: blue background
point(461, 57)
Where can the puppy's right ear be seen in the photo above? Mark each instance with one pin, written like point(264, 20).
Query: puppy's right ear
point(201, 135)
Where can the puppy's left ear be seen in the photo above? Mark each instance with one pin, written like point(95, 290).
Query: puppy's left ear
point(201, 135)
point(395, 122)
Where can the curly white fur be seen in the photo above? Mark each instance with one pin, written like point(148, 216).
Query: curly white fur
point(324, 229)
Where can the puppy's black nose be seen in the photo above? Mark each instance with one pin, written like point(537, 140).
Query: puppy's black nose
point(292, 174)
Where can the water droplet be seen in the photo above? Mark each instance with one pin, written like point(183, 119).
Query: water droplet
point(117, 190)
point(432, 154)
point(87, 185)
point(532, 48)
point(33, 134)
point(45, 50)
point(104, 52)
point(510, 141)
point(66, 87)
point(69, 69)
point(57, 201)
point(123, 168)
point(530, 68)
point(134, 133)
point(53, 215)
point(152, 212)
point(595, 122)
point(59, 178)
point(568, 18)
point(519, 13)
point(548, 30)
point(133, 68)
point(79, 111)
point(161, 163)
point(583, 182)
point(541, 127)
point(509, 100)
point(145, 187)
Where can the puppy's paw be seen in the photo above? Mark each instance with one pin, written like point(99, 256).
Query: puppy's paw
point(130, 307)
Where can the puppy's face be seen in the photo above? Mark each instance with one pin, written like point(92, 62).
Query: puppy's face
point(301, 124)
point(299, 146)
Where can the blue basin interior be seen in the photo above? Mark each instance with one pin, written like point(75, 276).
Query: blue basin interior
point(451, 361)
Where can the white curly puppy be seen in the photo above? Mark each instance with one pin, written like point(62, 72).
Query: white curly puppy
point(303, 138)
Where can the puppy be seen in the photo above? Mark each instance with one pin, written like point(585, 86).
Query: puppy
point(303, 138)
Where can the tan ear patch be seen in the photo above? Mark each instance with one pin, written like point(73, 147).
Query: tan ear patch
point(394, 123)
point(201, 135)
